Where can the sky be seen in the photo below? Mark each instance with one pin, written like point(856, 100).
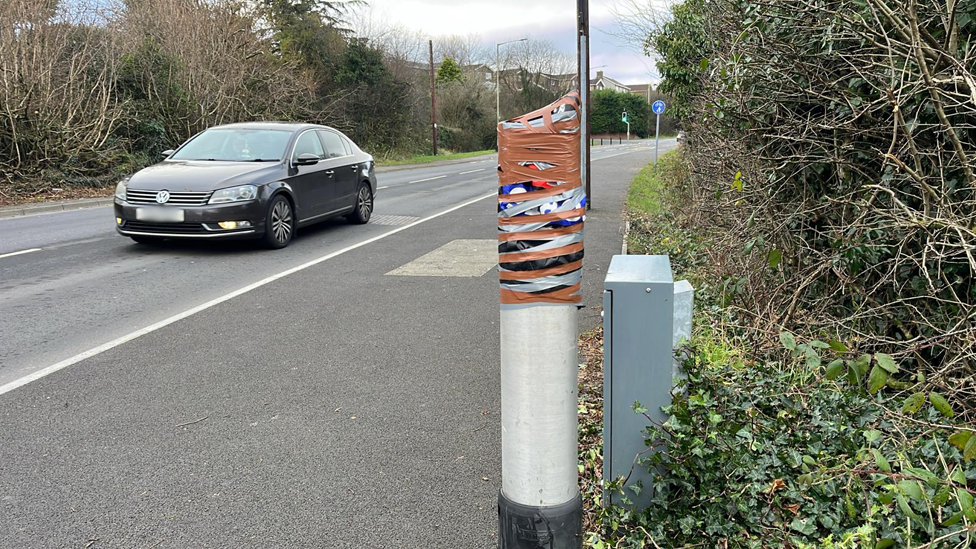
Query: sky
point(501, 20)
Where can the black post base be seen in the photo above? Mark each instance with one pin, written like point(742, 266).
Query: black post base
point(528, 527)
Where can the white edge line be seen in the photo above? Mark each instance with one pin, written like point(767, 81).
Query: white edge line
point(11, 254)
point(17, 383)
point(428, 179)
point(381, 188)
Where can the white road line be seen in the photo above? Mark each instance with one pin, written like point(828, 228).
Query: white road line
point(11, 254)
point(380, 188)
point(17, 383)
point(428, 179)
point(472, 171)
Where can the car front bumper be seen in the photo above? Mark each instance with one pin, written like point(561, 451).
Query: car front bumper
point(198, 221)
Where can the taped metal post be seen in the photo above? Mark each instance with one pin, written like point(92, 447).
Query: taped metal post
point(541, 205)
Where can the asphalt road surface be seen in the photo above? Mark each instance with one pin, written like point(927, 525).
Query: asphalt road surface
point(218, 395)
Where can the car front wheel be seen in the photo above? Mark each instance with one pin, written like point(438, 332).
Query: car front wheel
point(280, 223)
point(364, 206)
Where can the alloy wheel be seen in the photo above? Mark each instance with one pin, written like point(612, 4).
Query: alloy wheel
point(281, 221)
point(365, 203)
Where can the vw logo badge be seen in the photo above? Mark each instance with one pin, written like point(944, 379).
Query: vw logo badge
point(162, 197)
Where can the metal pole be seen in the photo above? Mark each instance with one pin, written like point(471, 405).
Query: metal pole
point(657, 137)
point(539, 504)
point(433, 99)
point(498, 101)
point(583, 57)
point(628, 131)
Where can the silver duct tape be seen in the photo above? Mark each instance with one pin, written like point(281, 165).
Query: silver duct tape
point(563, 113)
point(550, 242)
point(527, 227)
point(558, 242)
point(539, 284)
point(570, 200)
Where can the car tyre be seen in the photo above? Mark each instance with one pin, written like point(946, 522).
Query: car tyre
point(279, 223)
point(364, 206)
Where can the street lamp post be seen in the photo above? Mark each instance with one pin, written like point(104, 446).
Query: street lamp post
point(498, 70)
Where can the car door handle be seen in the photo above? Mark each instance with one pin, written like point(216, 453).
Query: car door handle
point(354, 168)
point(330, 173)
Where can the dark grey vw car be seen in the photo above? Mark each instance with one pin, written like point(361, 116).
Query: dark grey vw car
point(250, 180)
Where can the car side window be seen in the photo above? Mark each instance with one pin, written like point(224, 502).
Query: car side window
point(333, 144)
point(308, 143)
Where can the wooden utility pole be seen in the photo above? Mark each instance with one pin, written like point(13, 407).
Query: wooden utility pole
point(433, 99)
point(583, 68)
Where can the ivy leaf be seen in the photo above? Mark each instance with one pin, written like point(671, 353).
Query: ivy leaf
point(941, 404)
point(881, 461)
point(775, 256)
point(953, 519)
point(969, 451)
point(966, 503)
point(819, 345)
point(703, 64)
point(788, 341)
point(639, 408)
point(851, 510)
point(886, 362)
point(872, 436)
point(942, 496)
point(913, 404)
point(959, 439)
point(836, 367)
point(905, 507)
point(813, 359)
point(853, 374)
point(958, 476)
point(911, 489)
point(877, 379)
point(837, 346)
point(923, 475)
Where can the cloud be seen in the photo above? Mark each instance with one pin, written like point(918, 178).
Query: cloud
point(502, 20)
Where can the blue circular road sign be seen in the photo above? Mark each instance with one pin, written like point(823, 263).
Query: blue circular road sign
point(658, 107)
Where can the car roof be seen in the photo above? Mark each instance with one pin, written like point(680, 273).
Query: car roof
point(287, 126)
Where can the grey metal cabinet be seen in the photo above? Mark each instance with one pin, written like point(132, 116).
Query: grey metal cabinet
point(638, 313)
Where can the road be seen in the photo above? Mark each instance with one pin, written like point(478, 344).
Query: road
point(216, 395)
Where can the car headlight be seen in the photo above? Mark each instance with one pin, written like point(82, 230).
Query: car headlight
point(234, 194)
point(120, 189)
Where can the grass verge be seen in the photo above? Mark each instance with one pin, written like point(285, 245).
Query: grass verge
point(427, 159)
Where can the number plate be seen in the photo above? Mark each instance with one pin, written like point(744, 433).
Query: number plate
point(160, 215)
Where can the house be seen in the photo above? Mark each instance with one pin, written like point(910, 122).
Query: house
point(603, 82)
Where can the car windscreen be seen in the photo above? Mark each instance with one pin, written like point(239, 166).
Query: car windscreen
point(236, 145)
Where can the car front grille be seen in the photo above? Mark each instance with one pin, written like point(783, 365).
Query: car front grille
point(135, 196)
point(165, 228)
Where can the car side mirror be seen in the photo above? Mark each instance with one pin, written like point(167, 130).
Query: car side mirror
point(167, 153)
point(306, 159)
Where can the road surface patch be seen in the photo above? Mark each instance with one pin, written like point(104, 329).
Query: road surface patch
point(392, 220)
point(458, 258)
